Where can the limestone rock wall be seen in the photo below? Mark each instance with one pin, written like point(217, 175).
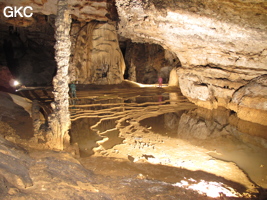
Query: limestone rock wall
point(222, 45)
point(200, 32)
point(97, 57)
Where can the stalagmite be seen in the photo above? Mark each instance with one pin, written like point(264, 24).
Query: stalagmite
point(59, 120)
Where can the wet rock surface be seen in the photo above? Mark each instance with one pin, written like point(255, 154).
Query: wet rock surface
point(15, 115)
point(167, 134)
point(154, 157)
point(43, 175)
point(57, 175)
point(219, 44)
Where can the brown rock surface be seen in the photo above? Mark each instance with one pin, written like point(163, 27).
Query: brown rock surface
point(200, 32)
point(146, 62)
point(16, 115)
point(221, 44)
point(250, 101)
point(97, 57)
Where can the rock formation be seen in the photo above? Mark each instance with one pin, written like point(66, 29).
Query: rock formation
point(59, 120)
point(5, 79)
point(146, 62)
point(29, 46)
point(28, 49)
point(221, 44)
point(250, 101)
point(97, 57)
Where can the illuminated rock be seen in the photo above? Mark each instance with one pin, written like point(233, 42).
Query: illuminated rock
point(97, 55)
point(250, 101)
point(221, 44)
point(59, 120)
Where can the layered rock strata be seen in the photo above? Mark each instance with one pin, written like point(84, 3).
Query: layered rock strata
point(221, 44)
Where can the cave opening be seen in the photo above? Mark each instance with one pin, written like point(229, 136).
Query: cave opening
point(145, 62)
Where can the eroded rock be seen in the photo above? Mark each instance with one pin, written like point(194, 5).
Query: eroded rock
point(14, 164)
point(13, 111)
point(250, 101)
point(43, 175)
point(218, 55)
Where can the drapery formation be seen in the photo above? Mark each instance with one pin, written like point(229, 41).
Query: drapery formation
point(97, 57)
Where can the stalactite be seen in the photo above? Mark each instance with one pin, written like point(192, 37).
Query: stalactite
point(59, 120)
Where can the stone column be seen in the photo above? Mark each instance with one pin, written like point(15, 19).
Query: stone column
point(59, 120)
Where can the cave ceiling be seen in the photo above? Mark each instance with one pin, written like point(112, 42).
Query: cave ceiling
point(82, 10)
point(223, 32)
point(200, 32)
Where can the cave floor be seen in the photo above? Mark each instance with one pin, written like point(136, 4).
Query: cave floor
point(141, 143)
point(143, 132)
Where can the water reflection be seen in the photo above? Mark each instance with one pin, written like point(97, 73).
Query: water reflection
point(99, 118)
point(225, 140)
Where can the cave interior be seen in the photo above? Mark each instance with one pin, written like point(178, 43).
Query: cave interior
point(146, 73)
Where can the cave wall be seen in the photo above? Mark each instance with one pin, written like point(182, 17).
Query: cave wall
point(222, 46)
point(200, 32)
point(27, 49)
point(31, 43)
point(5, 79)
point(146, 62)
point(97, 57)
